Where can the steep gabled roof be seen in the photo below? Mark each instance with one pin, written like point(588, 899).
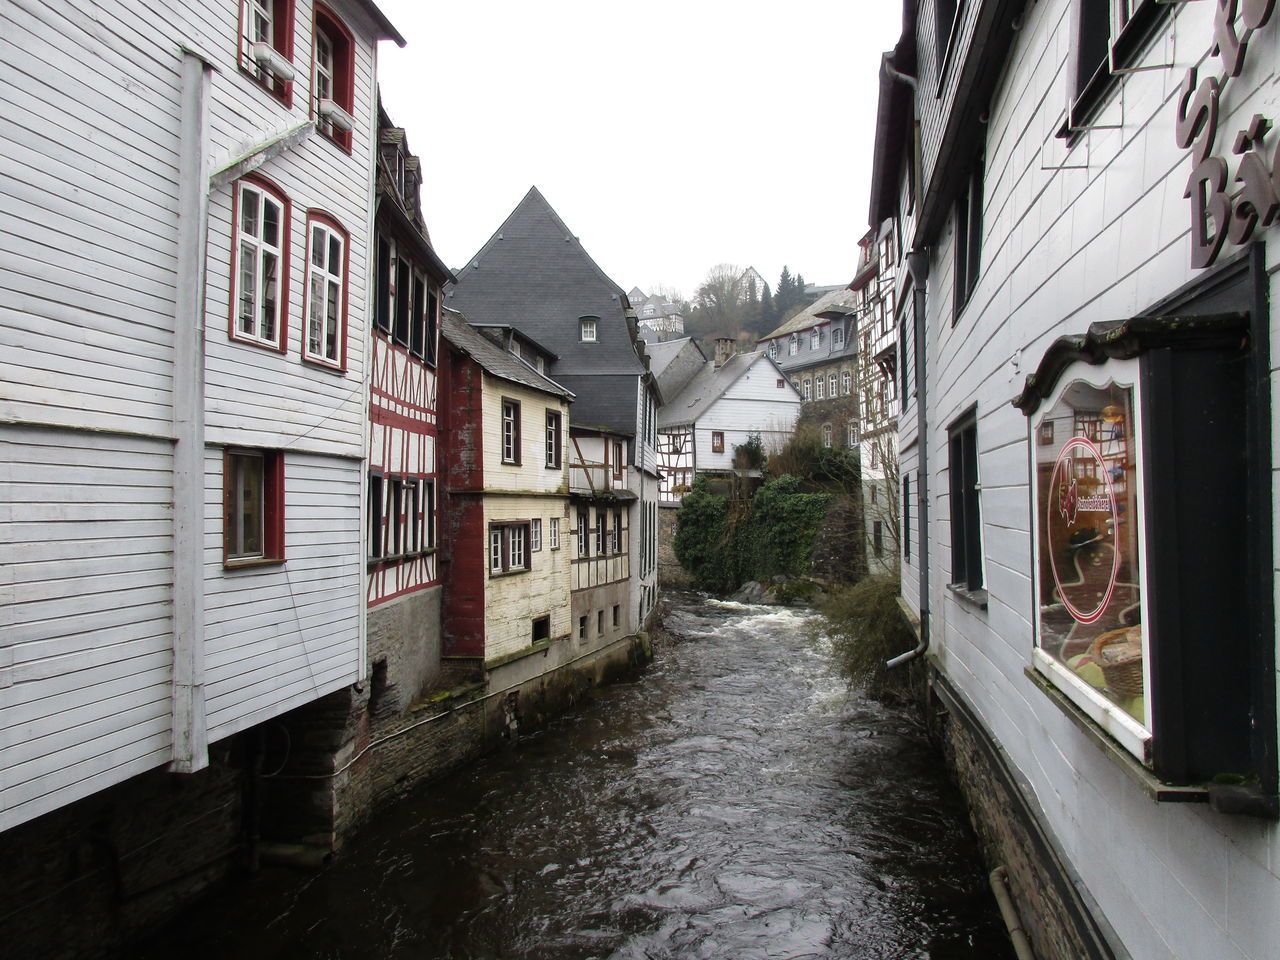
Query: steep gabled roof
point(492, 358)
point(534, 275)
point(707, 386)
point(806, 318)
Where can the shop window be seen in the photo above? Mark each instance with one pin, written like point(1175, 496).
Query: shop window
point(260, 264)
point(1152, 537)
point(325, 305)
point(266, 45)
point(333, 78)
point(966, 517)
point(253, 507)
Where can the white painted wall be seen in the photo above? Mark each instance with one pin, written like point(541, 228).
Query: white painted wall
point(1073, 235)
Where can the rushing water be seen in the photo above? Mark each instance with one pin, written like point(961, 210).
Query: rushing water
point(735, 801)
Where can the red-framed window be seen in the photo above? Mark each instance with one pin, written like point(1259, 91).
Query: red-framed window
point(260, 216)
point(265, 50)
point(324, 310)
point(253, 507)
point(332, 77)
point(717, 440)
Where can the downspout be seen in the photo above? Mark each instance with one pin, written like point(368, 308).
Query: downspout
point(901, 77)
point(190, 722)
point(918, 264)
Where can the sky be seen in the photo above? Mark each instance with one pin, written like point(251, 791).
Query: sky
point(669, 136)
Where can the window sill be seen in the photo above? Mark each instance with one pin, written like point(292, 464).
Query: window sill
point(971, 598)
point(498, 574)
point(283, 97)
point(331, 366)
point(273, 347)
point(1144, 778)
point(389, 559)
point(252, 562)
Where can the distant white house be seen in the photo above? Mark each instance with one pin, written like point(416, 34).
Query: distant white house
point(712, 406)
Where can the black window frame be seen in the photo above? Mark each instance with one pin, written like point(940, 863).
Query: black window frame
point(966, 506)
point(967, 259)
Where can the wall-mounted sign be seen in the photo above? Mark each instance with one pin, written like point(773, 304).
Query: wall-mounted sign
point(1219, 211)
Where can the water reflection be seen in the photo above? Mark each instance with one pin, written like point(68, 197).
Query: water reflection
point(733, 802)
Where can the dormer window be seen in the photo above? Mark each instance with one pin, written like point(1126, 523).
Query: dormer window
point(793, 346)
point(400, 181)
point(587, 329)
point(837, 338)
point(815, 338)
point(773, 349)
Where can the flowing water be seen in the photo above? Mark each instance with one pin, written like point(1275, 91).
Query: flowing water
point(735, 801)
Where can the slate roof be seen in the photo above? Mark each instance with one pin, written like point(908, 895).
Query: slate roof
point(661, 354)
point(806, 318)
point(534, 275)
point(706, 387)
point(494, 359)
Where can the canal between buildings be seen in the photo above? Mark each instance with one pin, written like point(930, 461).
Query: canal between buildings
point(734, 801)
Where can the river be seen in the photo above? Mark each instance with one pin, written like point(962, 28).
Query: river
point(733, 801)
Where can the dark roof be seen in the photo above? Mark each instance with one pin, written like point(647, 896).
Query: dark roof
point(386, 26)
point(494, 359)
point(534, 275)
point(707, 386)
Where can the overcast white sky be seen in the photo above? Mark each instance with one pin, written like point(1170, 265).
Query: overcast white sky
point(670, 135)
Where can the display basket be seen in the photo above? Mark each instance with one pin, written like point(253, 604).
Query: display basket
point(1119, 654)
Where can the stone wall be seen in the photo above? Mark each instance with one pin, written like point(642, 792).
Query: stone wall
point(671, 576)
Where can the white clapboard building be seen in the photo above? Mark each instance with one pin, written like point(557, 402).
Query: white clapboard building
point(184, 274)
point(1086, 197)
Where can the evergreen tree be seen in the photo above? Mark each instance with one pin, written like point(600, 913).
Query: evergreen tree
point(768, 313)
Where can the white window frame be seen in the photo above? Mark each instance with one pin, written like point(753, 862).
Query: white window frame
point(322, 80)
point(831, 385)
point(535, 534)
point(587, 329)
point(325, 318)
point(553, 533)
point(793, 345)
point(846, 382)
point(820, 388)
point(815, 338)
point(808, 389)
point(254, 248)
point(837, 337)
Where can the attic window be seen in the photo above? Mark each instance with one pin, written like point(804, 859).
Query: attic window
point(587, 329)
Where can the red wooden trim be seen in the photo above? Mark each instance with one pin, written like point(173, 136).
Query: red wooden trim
point(344, 69)
point(400, 421)
point(273, 506)
point(387, 395)
point(286, 245)
point(282, 40)
point(315, 215)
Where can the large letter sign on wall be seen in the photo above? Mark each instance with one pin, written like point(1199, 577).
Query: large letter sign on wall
point(1215, 215)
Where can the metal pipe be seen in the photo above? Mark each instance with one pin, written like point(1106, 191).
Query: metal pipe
point(918, 264)
point(896, 74)
point(999, 878)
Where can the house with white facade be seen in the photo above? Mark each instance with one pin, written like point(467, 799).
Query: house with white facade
point(182, 398)
point(715, 405)
point(1086, 198)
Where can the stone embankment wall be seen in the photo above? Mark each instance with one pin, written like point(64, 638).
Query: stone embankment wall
point(671, 576)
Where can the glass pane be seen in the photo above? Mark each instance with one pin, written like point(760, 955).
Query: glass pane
point(249, 200)
point(315, 318)
point(317, 246)
point(1089, 577)
point(335, 255)
point(268, 326)
point(270, 222)
point(246, 477)
point(331, 322)
point(248, 286)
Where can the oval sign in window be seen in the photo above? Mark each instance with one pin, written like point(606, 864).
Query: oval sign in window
point(1081, 522)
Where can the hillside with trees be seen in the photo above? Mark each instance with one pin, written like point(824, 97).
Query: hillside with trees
point(730, 303)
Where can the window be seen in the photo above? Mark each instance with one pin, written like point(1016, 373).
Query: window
point(587, 329)
point(617, 459)
point(260, 266)
point(553, 533)
point(617, 616)
point(508, 548)
point(837, 338)
point(395, 515)
point(846, 382)
point(541, 629)
point(553, 451)
point(945, 12)
point(793, 345)
point(826, 434)
point(831, 385)
point(510, 431)
point(535, 535)
point(968, 237)
point(717, 441)
point(820, 388)
point(1046, 433)
point(333, 78)
point(966, 518)
point(599, 623)
point(796, 383)
point(582, 627)
point(773, 349)
point(877, 538)
point(600, 533)
point(853, 434)
point(808, 389)
point(326, 293)
point(382, 279)
point(253, 507)
point(815, 338)
point(374, 516)
point(906, 517)
point(872, 490)
point(584, 546)
point(875, 456)
point(266, 45)
point(781, 383)
point(404, 303)
point(617, 531)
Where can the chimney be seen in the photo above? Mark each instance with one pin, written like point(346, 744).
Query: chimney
point(724, 350)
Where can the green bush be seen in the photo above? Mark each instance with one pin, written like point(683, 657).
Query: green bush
point(866, 628)
point(784, 524)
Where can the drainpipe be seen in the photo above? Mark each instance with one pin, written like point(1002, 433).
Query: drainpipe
point(190, 729)
point(898, 75)
point(918, 264)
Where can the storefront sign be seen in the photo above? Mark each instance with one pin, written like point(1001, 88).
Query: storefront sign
point(1220, 214)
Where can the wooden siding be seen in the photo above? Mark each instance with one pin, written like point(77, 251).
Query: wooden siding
point(753, 405)
point(281, 635)
point(85, 614)
point(513, 600)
